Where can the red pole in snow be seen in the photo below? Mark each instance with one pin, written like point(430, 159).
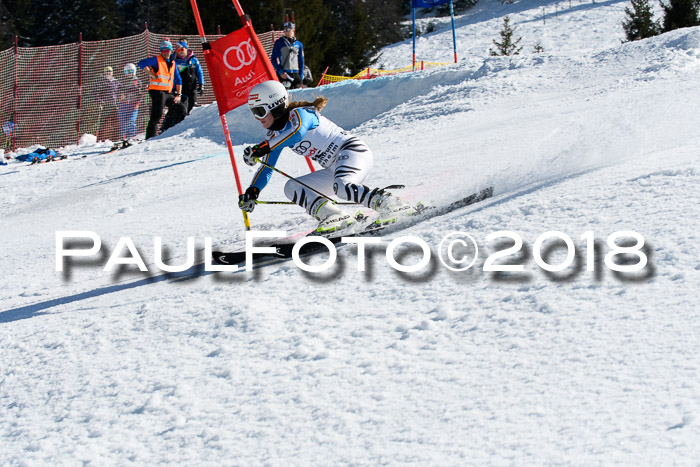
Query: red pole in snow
point(13, 138)
point(322, 76)
point(80, 85)
point(224, 124)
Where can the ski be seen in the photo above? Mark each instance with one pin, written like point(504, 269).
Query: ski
point(283, 250)
point(118, 146)
point(57, 157)
point(422, 213)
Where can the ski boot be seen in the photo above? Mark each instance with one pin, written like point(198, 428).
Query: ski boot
point(331, 218)
point(389, 207)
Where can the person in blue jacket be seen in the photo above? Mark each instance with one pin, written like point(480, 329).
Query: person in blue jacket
point(346, 160)
point(164, 89)
point(288, 58)
point(190, 73)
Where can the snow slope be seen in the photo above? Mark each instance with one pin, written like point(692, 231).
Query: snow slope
point(279, 366)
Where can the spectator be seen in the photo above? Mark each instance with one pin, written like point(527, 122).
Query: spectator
point(308, 77)
point(8, 128)
point(190, 73)
point(288, 58)
point(128, 106)
point(105, 95)
point(164, 89)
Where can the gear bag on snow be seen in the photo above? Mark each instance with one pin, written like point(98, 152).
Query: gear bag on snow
point(39, 155)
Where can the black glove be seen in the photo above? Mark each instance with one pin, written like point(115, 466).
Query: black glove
point(200, 89)
point(246, 201)
point(252, 152)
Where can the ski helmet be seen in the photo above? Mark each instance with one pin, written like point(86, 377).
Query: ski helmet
point(268, 97)
point(129, 69)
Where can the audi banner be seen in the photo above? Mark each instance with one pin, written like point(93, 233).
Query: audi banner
point(237, 62)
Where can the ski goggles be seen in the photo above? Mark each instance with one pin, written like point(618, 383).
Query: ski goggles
point(260, 111)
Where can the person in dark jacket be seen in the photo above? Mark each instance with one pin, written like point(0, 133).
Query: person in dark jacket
point(191, 74)
point(164, 89)
point(288, 58)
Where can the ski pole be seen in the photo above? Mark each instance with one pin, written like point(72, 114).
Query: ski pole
point(293, 203)
point(257, 159)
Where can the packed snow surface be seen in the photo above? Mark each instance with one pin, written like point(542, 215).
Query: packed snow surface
point(280, 366)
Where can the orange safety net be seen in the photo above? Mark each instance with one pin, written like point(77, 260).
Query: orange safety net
point(53, 95)
point(370, 73)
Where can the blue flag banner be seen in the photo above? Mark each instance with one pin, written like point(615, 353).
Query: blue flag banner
point(427, 3)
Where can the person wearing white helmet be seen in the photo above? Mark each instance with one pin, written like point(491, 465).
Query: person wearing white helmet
point(346, 160)
point(128, 107)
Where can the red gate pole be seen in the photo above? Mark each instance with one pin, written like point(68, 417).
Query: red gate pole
point(224, 123)
point(246, 22)
point(271, 70)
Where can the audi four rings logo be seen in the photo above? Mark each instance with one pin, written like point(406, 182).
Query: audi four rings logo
point(302, 147)
point(245, 55)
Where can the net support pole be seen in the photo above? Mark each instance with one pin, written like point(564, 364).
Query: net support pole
point(13, 137)
point(80, 86)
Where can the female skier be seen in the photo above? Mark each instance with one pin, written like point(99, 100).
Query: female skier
point(345, 159)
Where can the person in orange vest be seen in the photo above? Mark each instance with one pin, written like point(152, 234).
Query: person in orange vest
point(164, 89)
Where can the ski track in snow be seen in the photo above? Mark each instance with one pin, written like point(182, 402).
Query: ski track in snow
point(279, 366)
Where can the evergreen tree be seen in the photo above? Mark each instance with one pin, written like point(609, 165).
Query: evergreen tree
point(16, 19)
point(507, 46)
point(315, 30)
point(356, 41)
point(457, 5)
point(344, 35)
point(640, 23)
point(385, 16)
point(62, 21)
point(8, 29)
point(162, 17)
point(680, 14)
